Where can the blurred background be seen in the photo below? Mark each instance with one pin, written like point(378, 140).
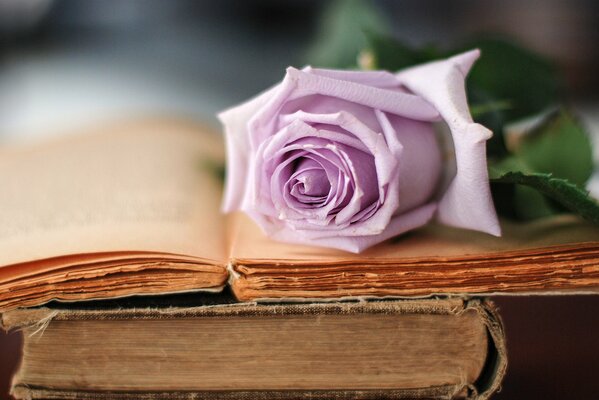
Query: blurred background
point(69, 64)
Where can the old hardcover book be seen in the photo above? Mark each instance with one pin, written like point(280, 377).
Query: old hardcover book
point(133, 208)
point(433, 348)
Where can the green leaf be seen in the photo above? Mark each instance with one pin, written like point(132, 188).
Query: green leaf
point(477, 110)
point(516, 201)
point(341, 35)
point(559, 146)
point(556, 155)
point(562, 191)
point(392, 55)
point(510, 72)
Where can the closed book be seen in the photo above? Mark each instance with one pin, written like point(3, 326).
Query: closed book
point(430, 348)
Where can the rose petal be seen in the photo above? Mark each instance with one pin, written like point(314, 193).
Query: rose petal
point(342, 187)
point(393, 101)
point(308, 187)
point(237, 143)
point(267, 198)
point(314, 186)
point(319, 105)
point(355, 244)
point(262, 124)
point(381, 79)
point(375, 142)
point(290, 134)
point(467, 203)
point(419, 167)
point(365, 182)
point(386, 169)
point(363, 176)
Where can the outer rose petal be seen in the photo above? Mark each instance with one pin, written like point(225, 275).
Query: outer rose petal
point(355, 244)
point(392, 101)
point(467, 203)
point(238, 144)
point(381, 79)
point(420, 164)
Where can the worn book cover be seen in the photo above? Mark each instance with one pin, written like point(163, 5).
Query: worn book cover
point(430, 348)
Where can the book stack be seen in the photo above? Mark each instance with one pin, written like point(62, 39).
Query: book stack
point(129, 283)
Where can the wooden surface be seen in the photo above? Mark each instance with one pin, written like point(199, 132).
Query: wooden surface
point(552, 343)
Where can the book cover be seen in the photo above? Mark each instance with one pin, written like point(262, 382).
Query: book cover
point(432, 348)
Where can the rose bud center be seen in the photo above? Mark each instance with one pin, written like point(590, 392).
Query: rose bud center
point(310, 184)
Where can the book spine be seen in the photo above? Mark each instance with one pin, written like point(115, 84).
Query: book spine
point(495, 367)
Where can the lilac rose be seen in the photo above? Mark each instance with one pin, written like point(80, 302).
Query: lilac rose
point(347, 159)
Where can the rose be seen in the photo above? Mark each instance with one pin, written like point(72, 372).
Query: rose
point(347, 159)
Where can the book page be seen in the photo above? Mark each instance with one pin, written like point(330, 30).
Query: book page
point(248, 243)
point(551, 256)
point(145, 186)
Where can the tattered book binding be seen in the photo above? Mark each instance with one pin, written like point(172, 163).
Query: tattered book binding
point(433, 348)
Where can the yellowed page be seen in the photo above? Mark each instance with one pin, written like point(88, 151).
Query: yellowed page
point(248, 243)
point(138, 187)
point(556, 255)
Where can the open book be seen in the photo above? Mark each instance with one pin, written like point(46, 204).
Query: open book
point(134, 209)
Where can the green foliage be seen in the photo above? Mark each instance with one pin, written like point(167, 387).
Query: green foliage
point(549, 169)
point(476, 110)
point(505, 73)
point(510, 72)
point(392, 55)
point(341, 35)
point(562, 191)
point(559, 146)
